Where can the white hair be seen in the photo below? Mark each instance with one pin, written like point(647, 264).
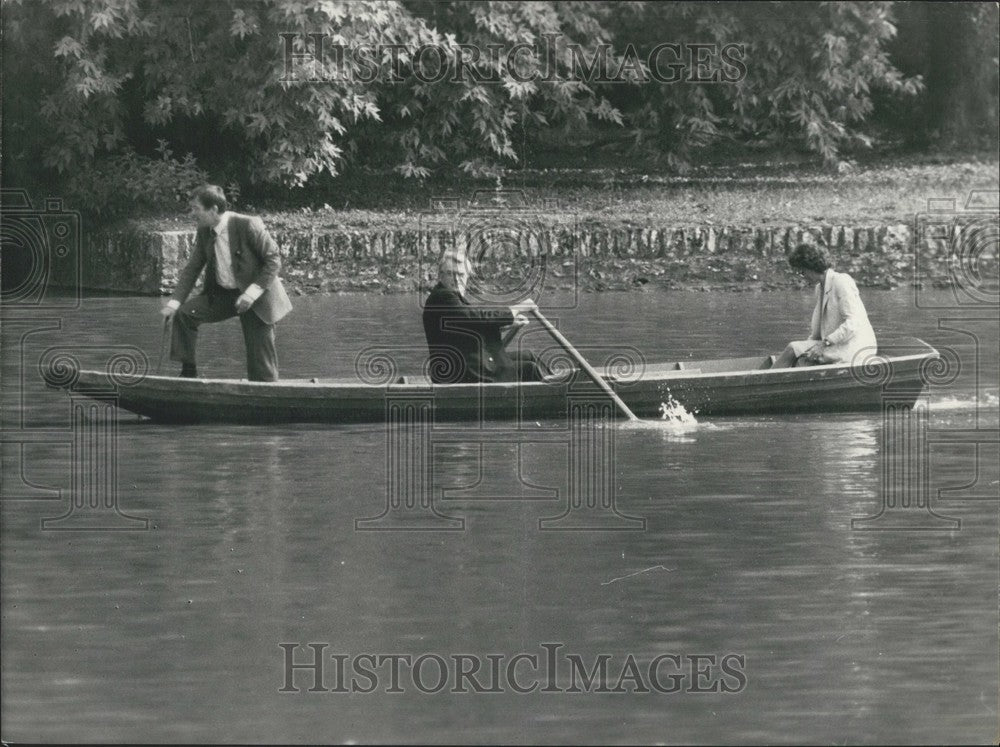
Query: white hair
point(453, 264)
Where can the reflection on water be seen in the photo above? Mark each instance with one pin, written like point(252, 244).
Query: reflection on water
point(172, 634)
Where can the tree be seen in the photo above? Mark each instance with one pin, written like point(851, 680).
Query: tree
point(107, 75)
point(955, 48)
point(810, 69)
point(278, 92)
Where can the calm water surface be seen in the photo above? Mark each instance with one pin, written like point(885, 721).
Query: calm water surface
point(173, 633)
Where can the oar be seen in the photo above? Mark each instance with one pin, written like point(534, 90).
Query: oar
point(163, 343)
point(575, 354)
point(509, 335)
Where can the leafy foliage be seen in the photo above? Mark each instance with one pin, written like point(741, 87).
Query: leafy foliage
point(220, 68)
point(91, 87)
point(810, 70)
point(955, 48)
point(116, 185)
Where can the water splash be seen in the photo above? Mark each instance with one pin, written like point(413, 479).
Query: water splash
point(673, 411)
point(674, 420)
point(988, 401)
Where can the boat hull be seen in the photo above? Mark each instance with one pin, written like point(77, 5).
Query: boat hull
point(703, 388)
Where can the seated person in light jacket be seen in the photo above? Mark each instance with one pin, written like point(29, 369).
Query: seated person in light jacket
point(464, 341)
point(840, 327)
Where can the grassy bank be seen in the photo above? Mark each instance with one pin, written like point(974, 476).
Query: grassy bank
point(752, 193)
point(719, 226)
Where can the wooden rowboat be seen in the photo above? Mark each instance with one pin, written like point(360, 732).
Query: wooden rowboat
point(711, 387)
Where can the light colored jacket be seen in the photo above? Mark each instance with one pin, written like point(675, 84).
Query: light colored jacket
point(840, 317)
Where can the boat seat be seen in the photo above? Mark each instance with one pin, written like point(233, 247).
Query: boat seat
point(413, 381)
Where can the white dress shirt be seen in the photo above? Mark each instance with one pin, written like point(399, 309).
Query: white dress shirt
point(223, 258)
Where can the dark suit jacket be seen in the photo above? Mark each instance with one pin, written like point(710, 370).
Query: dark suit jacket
point(464, 341)
point(255, 259)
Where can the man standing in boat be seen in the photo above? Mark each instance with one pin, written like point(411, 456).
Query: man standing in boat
point(241, 263)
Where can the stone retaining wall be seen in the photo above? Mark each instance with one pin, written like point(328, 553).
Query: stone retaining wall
point(593, 257)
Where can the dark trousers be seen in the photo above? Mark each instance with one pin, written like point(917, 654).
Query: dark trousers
point(258, 337)
point(526, 367)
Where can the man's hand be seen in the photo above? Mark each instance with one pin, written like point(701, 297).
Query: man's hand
point(524, 306)
point(169, 310)
point(816, 352)
point(248, 297)
point(520, 320)
point(243, 303)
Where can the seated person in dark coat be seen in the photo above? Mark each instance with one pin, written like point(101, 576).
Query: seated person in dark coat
point(465, 341)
